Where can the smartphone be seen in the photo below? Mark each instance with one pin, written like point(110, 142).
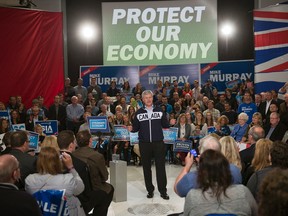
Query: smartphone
point(194, 153)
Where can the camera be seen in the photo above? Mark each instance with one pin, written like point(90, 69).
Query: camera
point(194, 153)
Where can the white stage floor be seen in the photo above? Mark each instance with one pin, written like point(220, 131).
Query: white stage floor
point(138, 204)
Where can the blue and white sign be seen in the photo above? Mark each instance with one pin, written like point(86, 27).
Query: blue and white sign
point(180, 73)
point(227, 73)
point(105, 74)
point(49, 127)
point(134, 139)
point(121, 133)
point(33, 140)
point(52, 202)
point(4, 114)
point(18, 127)
point(170, 135)
point(98, 124)
point(182, 146)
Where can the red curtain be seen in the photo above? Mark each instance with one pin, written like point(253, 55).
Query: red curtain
point(31, 54)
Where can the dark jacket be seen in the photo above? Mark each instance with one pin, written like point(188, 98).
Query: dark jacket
point(27, 165)
point(278, 132)
point(96, 163)
point(150, 127)
point(15, 202)
point(246, 157)
point(87, 196)
point(61, 115)
point(30, 124)
point(187, 130)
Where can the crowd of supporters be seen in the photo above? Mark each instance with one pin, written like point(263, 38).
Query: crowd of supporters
point(234, 117)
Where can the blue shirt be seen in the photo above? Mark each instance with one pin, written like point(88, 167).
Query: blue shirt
point(239, 131)
point(74, 111)
point(169, 108)
point(189, 181)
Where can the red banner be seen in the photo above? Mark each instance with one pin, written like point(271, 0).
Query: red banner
point(31, 57)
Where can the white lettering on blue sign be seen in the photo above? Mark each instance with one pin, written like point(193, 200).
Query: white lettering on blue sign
point(218, 77)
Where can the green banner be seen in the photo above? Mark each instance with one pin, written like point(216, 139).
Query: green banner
point(161, 33)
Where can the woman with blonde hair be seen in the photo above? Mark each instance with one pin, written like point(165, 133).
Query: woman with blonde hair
point(230, 150)
point(50, 177)
point(50, 141)
point(256, 121)
point(38, 129)
point(260, 159)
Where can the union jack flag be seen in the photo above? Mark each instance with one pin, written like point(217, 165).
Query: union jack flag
point(271, 47)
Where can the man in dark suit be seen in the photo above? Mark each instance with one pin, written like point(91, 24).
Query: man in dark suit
point(264, 107)
point(89, 198)
point(275, 98)
point(255, 133)
point(58, 112)
point(13, 201)
point(276, 129)
point(20, 146)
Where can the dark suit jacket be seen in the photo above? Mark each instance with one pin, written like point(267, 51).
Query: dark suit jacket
point(27, 164)
point(61, 116)
point(30, 124)
point(262, 109)
point(246, 156)
point(15, 202)
point(278, 132)
point(86, 197)
point(187, 130)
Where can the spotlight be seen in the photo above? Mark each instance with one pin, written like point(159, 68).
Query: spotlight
point(227, 29)
point(87, 31)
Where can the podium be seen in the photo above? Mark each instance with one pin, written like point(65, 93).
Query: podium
point(118, 178)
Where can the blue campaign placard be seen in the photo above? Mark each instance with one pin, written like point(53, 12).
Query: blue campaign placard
point(227, 74)
point(98, 124)
point(52, 202)
point(4, 114)
point(211, 129)
point(170, 135)
point(49, 127)
point(15, 127)
point(121, 133)
point(33, 140)
point(182, 146)
point(134, 139)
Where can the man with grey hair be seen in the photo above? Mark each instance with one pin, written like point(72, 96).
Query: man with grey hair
point(74, 113)
point(255, 133)
point(149, 121)
point(12, 200)
point(187, 179)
